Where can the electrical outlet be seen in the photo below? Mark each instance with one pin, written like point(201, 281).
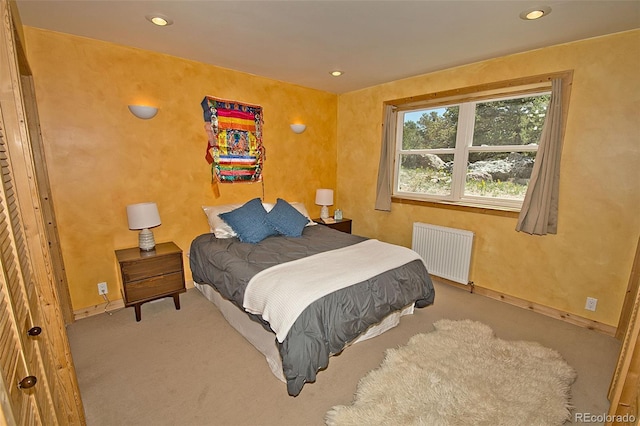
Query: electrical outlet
point(102, 288)
point(591, 304)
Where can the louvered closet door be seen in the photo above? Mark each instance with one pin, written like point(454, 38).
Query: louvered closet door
point(28, 293)
point(23, 357)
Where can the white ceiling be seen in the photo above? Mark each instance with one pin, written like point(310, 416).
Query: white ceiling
point(300, 42)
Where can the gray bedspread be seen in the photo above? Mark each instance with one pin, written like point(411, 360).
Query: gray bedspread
point(328, 324)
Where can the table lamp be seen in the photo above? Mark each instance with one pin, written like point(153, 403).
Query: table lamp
point(324, 198)
point(144, 216)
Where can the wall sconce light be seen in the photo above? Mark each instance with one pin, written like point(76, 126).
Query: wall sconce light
point(143, 216)
point(298, 128)
point(142, 111)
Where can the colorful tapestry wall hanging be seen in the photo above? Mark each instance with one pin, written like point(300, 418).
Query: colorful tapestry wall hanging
point(234, 148)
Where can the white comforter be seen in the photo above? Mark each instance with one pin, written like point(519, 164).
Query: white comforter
point(279, 294)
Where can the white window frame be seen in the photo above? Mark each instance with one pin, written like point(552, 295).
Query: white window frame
point(463, 148)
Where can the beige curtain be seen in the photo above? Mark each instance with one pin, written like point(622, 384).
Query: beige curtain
point(387, 153)
point(539, 214)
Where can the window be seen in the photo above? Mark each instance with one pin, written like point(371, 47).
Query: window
point(476, 151)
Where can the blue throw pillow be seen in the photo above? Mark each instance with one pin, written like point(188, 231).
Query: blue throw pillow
point(286, 219)
point(249, 222)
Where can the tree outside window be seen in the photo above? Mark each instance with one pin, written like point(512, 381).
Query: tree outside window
point(475, 151)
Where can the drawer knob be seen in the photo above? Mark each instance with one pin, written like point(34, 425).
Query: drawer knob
point(28, 382)
point(34, 331)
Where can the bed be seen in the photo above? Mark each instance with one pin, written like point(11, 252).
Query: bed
point(306, 331)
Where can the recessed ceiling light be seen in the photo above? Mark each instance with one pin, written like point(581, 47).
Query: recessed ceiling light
point(159, 20)
point(535, 13)
point(336, 73)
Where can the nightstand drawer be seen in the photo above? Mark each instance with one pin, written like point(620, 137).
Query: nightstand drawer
point(133, 271)
point(343, 225)
point(154, 287)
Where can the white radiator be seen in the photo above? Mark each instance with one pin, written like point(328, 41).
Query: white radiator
point(446, 251)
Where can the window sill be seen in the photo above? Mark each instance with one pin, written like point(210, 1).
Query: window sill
point(467, 207)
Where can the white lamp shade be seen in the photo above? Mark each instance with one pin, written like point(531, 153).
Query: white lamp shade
point(142, 111)
point(143, 215)
point(324, 197)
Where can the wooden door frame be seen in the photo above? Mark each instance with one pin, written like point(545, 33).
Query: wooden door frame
point(624, 392)
point(38, 176)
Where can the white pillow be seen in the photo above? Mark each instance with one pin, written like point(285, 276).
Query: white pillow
point(216, 225)
point(268, 206)
point(222, 230)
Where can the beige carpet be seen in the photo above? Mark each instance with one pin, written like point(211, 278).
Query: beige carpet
point(189, 367)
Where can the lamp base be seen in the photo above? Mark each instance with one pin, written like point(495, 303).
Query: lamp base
point(324, 212)
point(146, 241)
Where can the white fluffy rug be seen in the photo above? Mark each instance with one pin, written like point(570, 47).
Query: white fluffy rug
point(461, 374)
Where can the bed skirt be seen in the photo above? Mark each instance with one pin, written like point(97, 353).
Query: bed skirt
point(265, 341)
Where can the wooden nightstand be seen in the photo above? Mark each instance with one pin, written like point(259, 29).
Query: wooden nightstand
point(151, 275)
point(343, 225)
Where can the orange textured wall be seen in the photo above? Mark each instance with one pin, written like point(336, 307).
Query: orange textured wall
point(599, 220)
point(101, 158)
